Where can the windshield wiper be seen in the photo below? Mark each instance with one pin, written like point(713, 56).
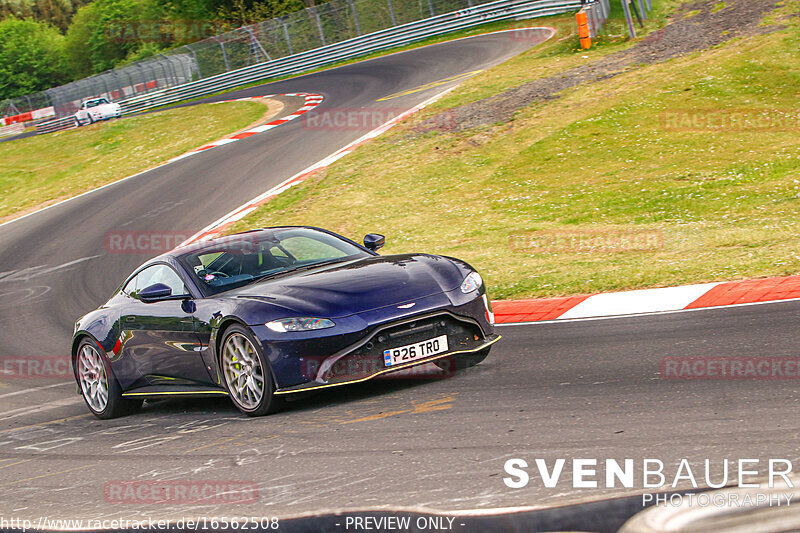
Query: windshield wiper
point(314, 265)
point(298, 269)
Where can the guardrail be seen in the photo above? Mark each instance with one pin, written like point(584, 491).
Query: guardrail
point(352, 48)
point(12, 129)
point(366, 44)
point(56, 125)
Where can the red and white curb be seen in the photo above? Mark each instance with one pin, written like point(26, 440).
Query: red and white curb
point(311, 101)
point(645, 301)
point(218, 227)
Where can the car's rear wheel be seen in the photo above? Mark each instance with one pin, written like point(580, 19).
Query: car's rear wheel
point(247, 374)
point(99, 387)
point(462, 361)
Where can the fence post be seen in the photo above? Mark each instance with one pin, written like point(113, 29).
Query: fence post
point(628, 18)
point(355, 16)
point(391, 12)
point(196, 62)
point(288, 37)
point(144, 78)
point(171, 71)
point(224, 54)
point(319, 24)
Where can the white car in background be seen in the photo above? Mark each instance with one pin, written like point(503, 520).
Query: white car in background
point(96, 109)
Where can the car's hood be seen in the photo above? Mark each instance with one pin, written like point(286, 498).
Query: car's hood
point(357, 286)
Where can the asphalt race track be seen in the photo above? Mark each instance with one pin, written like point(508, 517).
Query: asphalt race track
point(573, 389)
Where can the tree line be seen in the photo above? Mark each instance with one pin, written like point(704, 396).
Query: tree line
point(45, 43)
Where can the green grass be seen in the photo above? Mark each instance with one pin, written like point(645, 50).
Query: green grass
point(598, 159)
point(38, 170)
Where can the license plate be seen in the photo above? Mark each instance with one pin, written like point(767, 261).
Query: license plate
point(419, 350)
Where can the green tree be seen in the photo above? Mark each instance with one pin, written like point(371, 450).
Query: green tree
point(102, 34)
point(56, 12)
point(32, 57)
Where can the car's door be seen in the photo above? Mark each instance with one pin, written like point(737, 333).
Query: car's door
point(159, 337)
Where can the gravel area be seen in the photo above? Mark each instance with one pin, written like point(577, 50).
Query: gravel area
point(683, 35)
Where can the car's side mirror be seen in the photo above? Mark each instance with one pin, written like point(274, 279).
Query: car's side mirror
point(154, 293)
point(374, 241)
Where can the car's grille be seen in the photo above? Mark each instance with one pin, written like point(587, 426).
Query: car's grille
point(368, 358)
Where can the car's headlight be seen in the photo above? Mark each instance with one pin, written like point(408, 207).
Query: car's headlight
point(471, 283)
point(305, 323)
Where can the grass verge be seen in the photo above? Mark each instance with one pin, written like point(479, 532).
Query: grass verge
point(604, 158)
point(42, 169)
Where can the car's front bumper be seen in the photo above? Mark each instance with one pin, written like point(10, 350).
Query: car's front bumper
point(364, 359)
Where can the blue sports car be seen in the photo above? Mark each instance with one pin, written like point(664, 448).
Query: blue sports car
point(260, 315)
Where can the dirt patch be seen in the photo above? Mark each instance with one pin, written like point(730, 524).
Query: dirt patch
point(685, 34)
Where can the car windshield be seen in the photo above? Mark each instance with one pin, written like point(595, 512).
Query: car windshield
point(250, 257)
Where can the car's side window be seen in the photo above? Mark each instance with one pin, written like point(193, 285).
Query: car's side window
point(156, 274)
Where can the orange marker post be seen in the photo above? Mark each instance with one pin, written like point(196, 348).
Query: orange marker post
point(583, 29)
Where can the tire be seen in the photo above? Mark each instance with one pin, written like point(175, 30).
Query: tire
point(98, 386)
point(247, 374)
point(462, 361)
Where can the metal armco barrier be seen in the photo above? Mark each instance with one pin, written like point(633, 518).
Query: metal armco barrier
point(352, 48)
point(56, 125)
point(397, 36)
point(12, 129)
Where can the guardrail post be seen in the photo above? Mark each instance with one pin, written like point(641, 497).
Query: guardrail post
point(628, 18)
point(391, 12)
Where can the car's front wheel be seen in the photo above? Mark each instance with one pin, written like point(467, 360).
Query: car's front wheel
point(247, 374)
point(462, 361)
point(99, 388)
